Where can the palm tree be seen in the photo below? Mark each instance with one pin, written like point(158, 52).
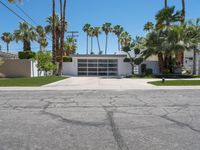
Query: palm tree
point(183, 11)
point(25, 34)
point(91, 34)
point(62, 35)
point(7, 37)
point(167, 16)
point(166, 4)
point(118, 30)
point(193, 34)
point(86, 30)
point(70, 46)
point(107, 28)
point(125, 39)
point(96, 32)
point(49, 29)
point(13, 1)
point(149, 26)
point(52, 29)
point(41, 37)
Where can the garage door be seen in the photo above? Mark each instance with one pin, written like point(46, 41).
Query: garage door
point(97, 67)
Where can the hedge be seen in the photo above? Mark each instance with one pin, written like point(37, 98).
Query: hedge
point(67, 59)
point(26, 55)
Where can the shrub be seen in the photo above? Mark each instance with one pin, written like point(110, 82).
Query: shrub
point(148, 72)
point(67, 59)
point(27, 55)
point(166, 71)
point(126, 59)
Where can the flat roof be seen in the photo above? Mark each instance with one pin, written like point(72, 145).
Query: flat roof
point(109, 55)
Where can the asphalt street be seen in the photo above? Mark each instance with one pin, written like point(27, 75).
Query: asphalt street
point(100, 120)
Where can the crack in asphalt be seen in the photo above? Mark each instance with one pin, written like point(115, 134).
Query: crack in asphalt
point(181, 124)
point(115, 131)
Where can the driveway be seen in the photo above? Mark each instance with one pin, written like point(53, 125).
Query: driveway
point(100, 120)
point(102, 83)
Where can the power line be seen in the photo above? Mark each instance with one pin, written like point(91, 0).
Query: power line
point(26, 14)
point(16, 14)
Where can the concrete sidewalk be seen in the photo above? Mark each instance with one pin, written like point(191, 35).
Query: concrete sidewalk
point(98, 83)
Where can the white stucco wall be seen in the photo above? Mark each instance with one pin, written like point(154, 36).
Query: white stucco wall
point(124, 68)
point(151, 65)
point(70, 68)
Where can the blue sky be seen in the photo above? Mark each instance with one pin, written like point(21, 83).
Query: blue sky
point(131, 14)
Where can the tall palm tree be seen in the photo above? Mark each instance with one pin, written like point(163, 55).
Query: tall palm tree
point(194, 36)
point(25, 34)
point(7, 37)
point(118, 31)
point(13, 1)
point(107, 28)
point(96, 32)
point(166, 5)
point(86, 30)
point(53, 32)
point(49, 29)
point(62, 36)
point(183, 11)
point(167, 16)
point(91, 35)
point(41, 37)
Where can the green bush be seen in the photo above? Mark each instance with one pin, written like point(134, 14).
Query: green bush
point(126, 59)
point(148, 72)
point(67, 59)
point(26, 55)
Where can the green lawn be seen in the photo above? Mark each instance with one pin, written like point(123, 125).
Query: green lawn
point(37, 81)
point(177, 83)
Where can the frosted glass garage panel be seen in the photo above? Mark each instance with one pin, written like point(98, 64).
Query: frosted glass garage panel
point(97, 67)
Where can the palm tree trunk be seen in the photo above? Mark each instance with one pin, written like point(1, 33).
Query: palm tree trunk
point(183, 11)
point(118, 44)
point(194, 61)
point(7, 44)
point(106, 48)
point(91, 45)
point(53, 35)
point(98, 45)
point(160, 62)
point(62, 16)
point(166, 4)
point(87, 44)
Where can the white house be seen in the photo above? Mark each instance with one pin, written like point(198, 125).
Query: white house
point(103, 65)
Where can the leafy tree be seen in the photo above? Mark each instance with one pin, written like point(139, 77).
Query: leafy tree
point(7, 37)
point(86, 30)
point(107, 28)
point(44, 59)
point(118, 31)
point(25, 34)
point(131, 47)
